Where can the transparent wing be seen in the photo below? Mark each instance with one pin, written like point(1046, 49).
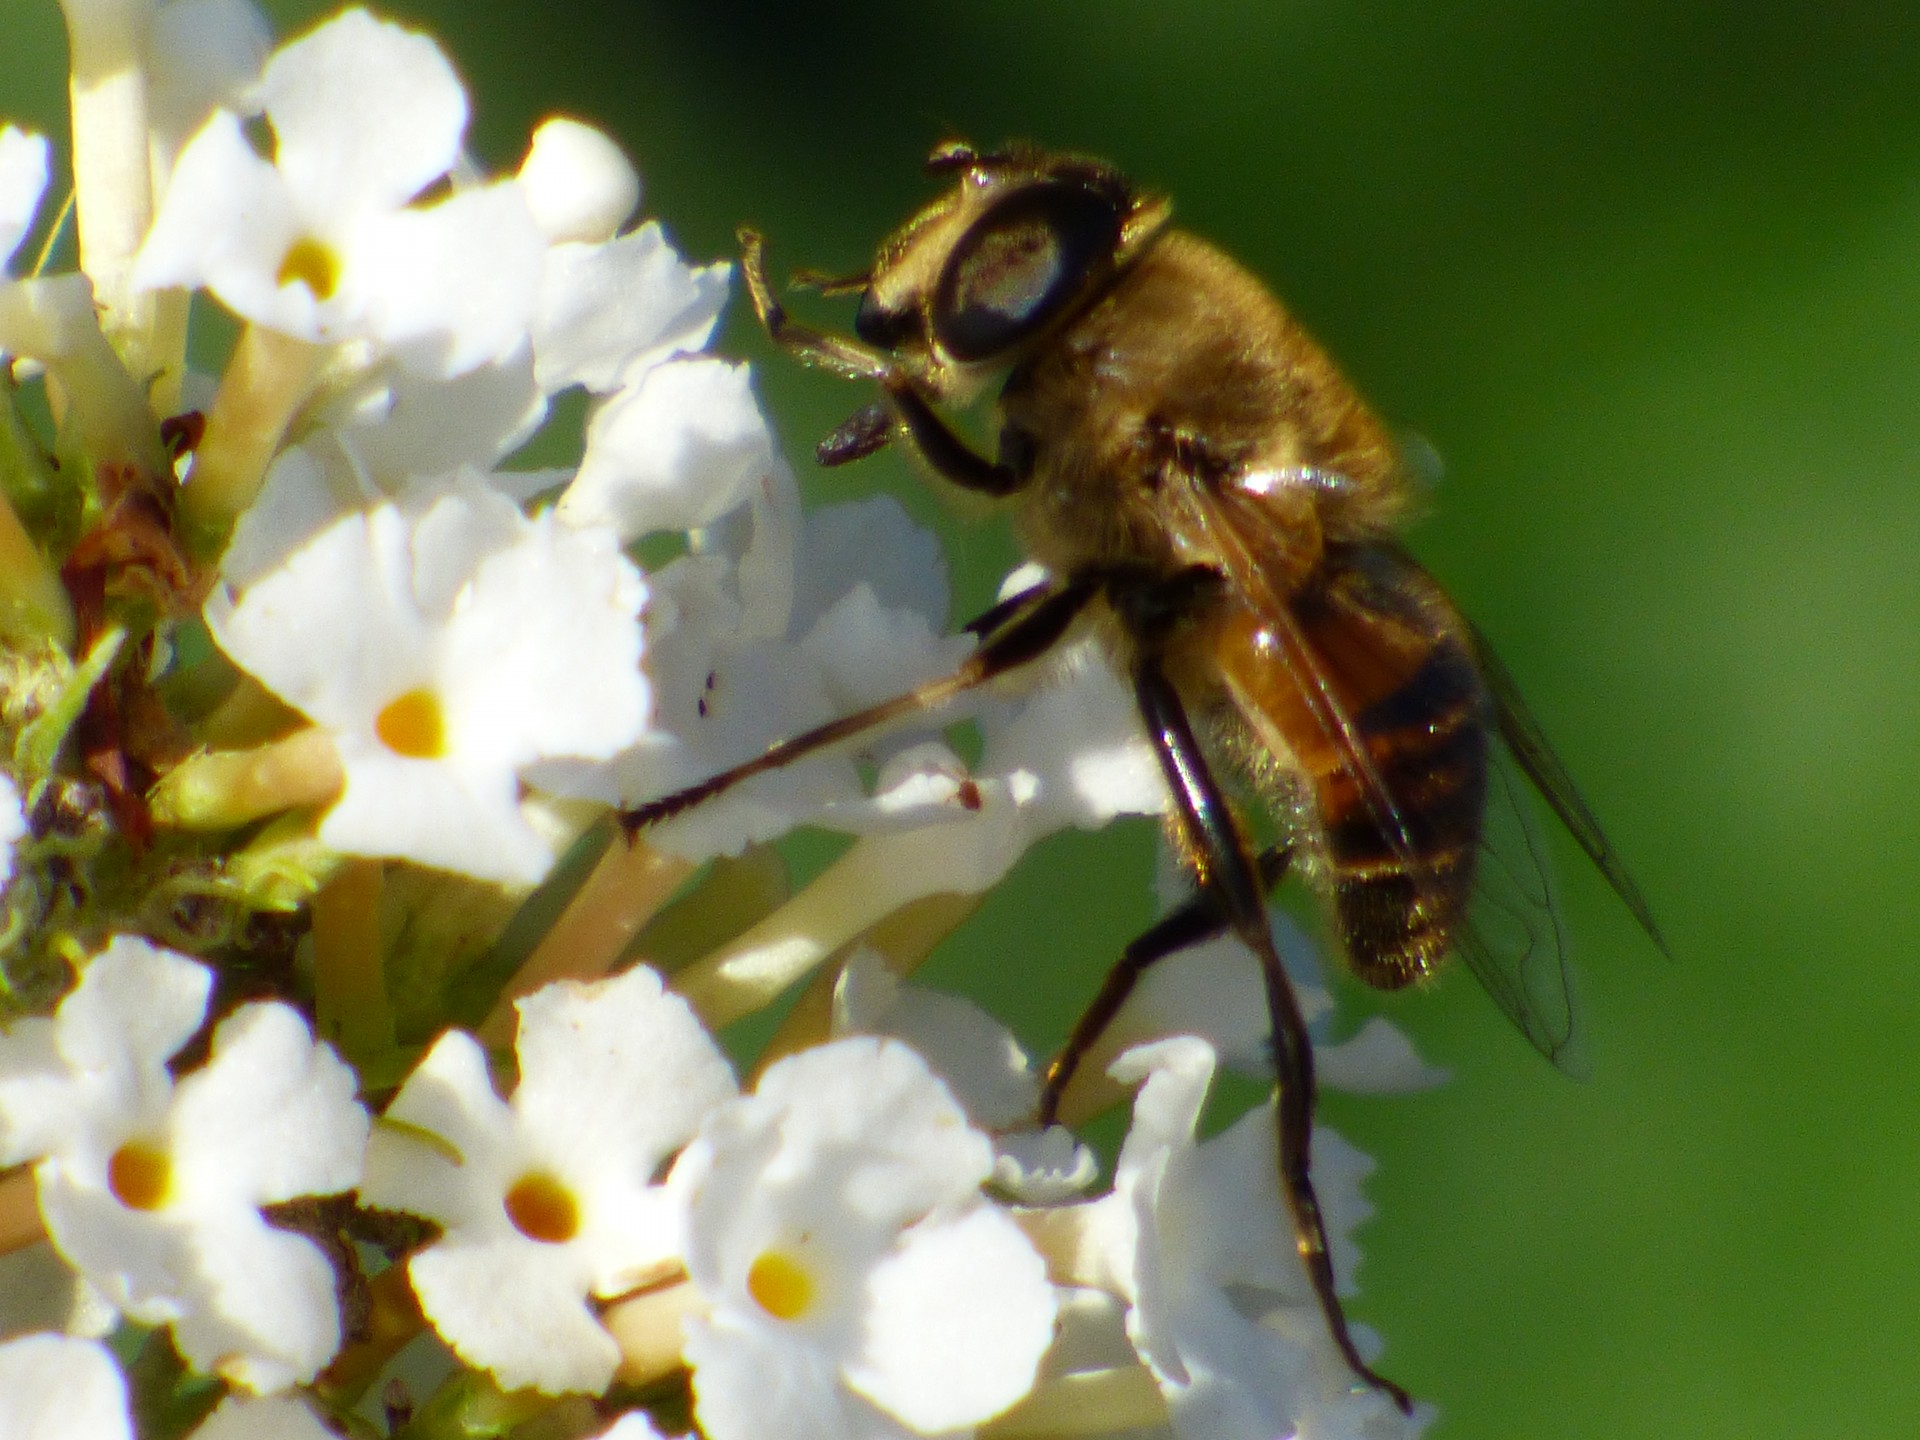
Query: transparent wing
point(1515, 941)
point(1536, 758)
point(1516, 944)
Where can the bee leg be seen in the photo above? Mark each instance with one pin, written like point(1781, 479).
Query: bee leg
point(951, 457)
point(1038, 617)
point(873, 427)
point(1200, 918)
point(1230, 875)
point(837, 354)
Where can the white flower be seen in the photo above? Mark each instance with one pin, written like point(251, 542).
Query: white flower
point(301, 496)
point(444, 653)
point(676, 450)
point(579, 185)
point(201, 54)
point(56, 1388)
point(324, 242)
point(13, 825)
point(981, 1062)
point(975, 1056)
point(268, 1417)
point(750, 643)
point(617, 314)
point(153, 1190)
point(545, 1200)
point(395, 425)
point(1195, 1238)
point(23, 179)
point(859, 1284)
point(610, 313)
point(634, 1425)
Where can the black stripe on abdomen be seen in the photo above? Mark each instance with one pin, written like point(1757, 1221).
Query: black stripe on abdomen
point(1401, 889)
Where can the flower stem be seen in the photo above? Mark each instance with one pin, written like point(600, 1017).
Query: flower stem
point(879, 875)
point(33, 603)
point(221, 789)
point(903, 939)
point(112, 169)
point(350, 999)
point(629, 884)
point(393, 1319)
point(20, 1223)
point(52, 320)
point(266, 382)
point(647, 1328)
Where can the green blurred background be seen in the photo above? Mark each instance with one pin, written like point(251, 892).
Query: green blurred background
point(1647, 275)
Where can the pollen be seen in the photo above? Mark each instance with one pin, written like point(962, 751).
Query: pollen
point(781, 1285)
point(413, 725)
point(543, 1209)
point(139, 1175)
point(311, 263)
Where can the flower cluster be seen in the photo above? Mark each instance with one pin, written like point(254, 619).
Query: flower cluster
point(356, 1074)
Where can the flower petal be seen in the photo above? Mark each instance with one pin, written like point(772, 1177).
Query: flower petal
point(226, 222)
point(517, 688)
point(504, 1307)
point(271, 1116)
point(675, 452)
point(451, 286)
point(456, 1176)
point(958, 1321)
point(620, 1071)
point(365, 114)
point(202, 54)
point(751, 1384)
point(262, 1417)
point(265, 1316)
point(135, 1006)
point(579, 184)
point(56, 1388)
point(607, 312)
point(23, 178)
point(313, 651)
point(464, 819)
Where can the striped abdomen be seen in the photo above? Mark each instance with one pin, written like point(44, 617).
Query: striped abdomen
point(1375, 691)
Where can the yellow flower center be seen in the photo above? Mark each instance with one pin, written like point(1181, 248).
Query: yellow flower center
point(413, 726)
point(310, 263)
point(781, 1285)
point(543, 1209)
point(139, 1174)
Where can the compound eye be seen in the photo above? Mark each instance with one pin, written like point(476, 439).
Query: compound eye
point(1020, 265)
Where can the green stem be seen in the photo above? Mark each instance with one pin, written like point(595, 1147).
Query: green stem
point(33, 603)
point(350, 998)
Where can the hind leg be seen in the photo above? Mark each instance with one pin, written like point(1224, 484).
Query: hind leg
point(1200, 918)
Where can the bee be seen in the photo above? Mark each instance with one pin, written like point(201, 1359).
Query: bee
point(1212, 496)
